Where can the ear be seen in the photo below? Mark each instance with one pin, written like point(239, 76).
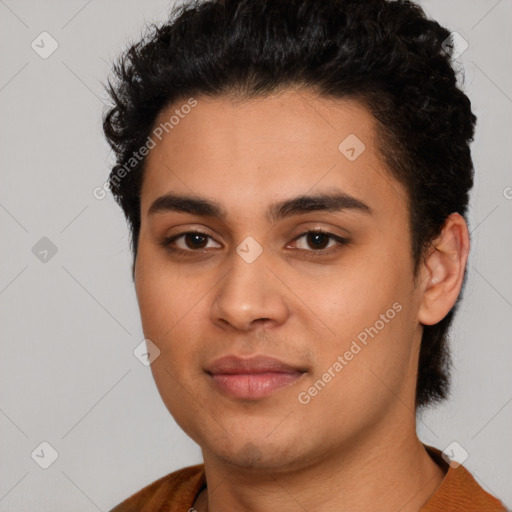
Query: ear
point(442, 273)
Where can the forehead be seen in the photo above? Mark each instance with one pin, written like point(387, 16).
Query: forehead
point(250, 153)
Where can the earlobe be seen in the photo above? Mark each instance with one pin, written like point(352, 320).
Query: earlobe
point(443, 270)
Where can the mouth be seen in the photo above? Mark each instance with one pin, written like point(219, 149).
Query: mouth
point(252, 378)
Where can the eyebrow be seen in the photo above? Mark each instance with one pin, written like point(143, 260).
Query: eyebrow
point(334, 202)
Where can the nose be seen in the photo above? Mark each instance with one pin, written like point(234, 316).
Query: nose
point(250, 296)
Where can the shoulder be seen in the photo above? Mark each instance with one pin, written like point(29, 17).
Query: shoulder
point(464, 490)
point(460, 491)
point(175, 491)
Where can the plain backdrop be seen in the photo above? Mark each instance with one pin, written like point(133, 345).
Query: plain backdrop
point(68, 313)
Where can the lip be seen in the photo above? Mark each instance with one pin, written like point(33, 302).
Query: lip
point(252, 378)
point(256, 364)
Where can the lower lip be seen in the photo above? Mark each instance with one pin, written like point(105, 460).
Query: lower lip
point(252, 386)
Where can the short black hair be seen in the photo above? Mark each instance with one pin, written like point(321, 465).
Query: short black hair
point(386, 54)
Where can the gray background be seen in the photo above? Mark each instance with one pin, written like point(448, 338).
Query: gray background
point(69, 324)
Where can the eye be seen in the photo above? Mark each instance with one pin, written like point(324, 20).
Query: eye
point(194, 241)
point(317, 239)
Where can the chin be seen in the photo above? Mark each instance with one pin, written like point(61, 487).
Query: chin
point(253, 450)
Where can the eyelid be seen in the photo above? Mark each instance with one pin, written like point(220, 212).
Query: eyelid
point(167, 240)
point(340, 240)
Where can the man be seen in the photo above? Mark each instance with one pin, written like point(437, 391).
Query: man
point(296, 177)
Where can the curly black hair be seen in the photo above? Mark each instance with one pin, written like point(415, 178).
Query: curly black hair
point(386, 54)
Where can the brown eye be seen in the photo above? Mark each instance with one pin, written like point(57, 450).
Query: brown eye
point(318, 240)
point(194, 241)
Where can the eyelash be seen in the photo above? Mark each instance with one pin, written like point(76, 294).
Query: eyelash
point(166, 243)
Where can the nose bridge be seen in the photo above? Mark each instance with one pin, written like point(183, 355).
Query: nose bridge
point(249, 291)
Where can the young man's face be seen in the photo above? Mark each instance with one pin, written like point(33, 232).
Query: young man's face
point(343, 316)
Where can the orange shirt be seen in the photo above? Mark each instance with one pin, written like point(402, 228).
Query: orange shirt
point(177, 491)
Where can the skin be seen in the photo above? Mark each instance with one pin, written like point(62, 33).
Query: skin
point(354, 445)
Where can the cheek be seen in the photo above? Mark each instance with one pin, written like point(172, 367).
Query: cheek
point(171, 312)
point(174, 312)
point(368, 315)
point(165, 294)
point(360, 374)
point(353, 298)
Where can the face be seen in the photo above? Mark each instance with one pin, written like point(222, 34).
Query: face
point(242, 277)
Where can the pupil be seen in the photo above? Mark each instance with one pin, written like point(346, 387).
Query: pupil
point(195, 237)
point(315, 236)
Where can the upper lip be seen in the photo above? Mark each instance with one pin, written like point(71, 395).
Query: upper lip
point(255, 364)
